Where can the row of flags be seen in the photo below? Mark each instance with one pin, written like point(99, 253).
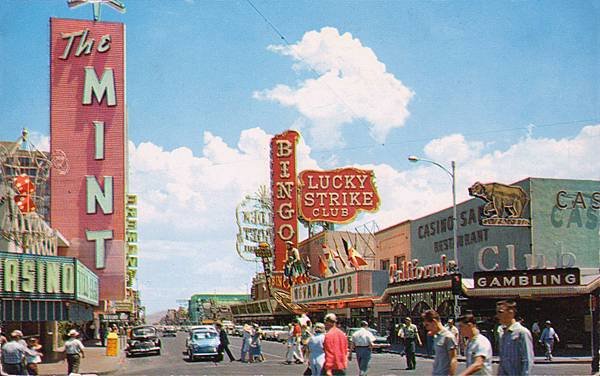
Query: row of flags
point(327, 261)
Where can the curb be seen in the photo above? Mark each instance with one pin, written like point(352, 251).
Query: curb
point(556, 360)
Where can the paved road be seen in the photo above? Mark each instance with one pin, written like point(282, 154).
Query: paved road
point(173, 362)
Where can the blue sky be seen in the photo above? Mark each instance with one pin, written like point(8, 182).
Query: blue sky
point(507, 89)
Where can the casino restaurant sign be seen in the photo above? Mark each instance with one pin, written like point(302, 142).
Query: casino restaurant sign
point(45, 288)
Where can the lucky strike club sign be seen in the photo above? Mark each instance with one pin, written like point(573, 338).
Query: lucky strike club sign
point(337, 195)
point(87, 123)
point(327, 196)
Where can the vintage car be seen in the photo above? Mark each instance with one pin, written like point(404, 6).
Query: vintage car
point(144, 340)
point(203, 343)
point(381, 343)
point(169, 331)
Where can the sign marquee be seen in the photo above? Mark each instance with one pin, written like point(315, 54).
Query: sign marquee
point(283, 190)
point(330, 288)
point(337, 195)
point(528, 278)
point(87, 123)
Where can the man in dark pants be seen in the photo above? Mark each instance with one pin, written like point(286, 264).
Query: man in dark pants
point(410, 334)
point(224, 345)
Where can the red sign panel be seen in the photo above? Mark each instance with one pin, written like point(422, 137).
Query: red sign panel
point(87, 124)
point(283, 190)
point(337, 195)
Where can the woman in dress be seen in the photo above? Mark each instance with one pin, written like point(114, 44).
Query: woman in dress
point(246, 339)
point(316, 358)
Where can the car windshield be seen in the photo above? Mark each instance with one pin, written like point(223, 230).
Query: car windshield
point(204, 335)
point(144, 332)
point(374, 332)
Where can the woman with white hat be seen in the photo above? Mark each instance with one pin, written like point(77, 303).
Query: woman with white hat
point(74, 350)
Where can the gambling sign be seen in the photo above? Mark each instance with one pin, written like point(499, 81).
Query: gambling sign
point(337, 195)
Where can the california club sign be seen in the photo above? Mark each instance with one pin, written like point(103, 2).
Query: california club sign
point(337, 195)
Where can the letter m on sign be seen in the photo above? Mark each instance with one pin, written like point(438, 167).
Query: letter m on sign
point(99, 87)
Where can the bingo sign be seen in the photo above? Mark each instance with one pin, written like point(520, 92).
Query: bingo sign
point(337, 196)
point(283, 190)
point(87, 124)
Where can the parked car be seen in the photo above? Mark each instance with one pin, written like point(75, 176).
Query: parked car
point(203, 344)
point(381, 343)
point(273, 332)
point(144, 339)
point(169, 331)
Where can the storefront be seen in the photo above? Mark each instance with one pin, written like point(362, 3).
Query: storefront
point(351, 296)
point(541, 250)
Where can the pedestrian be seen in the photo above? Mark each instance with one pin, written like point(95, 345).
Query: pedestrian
point(32, 361)
point(102, 332)
point(74, 350)
point(454, 330)
point(13, 353)
point(444, 344)
point(245, 356)
point(362, 344)
point(516, 344)
point(255, 344)
point(3, 339)
point(479, 348)
point(297, 332)
point(223, 342)
point(409, 333)
point(304, 337)
point(335, 346)
point(316, 353)
point(547, 339)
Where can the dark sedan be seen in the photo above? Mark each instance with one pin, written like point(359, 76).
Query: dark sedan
point(144, 340)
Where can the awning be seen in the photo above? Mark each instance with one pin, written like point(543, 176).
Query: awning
point(414, 287)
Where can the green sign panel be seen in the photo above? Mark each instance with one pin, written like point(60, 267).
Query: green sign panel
point(36, 277)
point(565, 222)
point(86, 285)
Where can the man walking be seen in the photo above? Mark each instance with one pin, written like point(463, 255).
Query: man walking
point(444, 344)
point(13, 353)
point(516, 344)
point(336, 347)
point(224, 342)
point(362, 343)
point(410, 334)
point(547, 339)
point(479, 348)
point(74, 350)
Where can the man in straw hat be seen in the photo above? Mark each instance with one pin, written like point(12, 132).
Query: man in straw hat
point(336, 347)
point(13, 353)
point(74, 350)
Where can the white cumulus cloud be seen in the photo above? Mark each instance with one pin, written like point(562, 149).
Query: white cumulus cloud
point(352, 84)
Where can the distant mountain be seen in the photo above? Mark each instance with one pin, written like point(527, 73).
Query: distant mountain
point(155, 317)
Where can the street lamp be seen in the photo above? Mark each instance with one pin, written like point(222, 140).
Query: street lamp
point(452, 173)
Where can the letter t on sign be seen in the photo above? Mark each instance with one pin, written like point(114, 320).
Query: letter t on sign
point(99, 237)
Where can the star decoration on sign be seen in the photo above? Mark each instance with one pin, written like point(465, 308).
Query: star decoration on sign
point(115, 4)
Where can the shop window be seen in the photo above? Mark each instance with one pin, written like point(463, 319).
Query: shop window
point(398, 260)
point(384, 264)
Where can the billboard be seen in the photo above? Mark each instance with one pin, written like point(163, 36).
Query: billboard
point(88, 126)
point(283, 191)
point(338, 195)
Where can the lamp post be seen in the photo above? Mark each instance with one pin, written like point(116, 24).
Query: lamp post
point(452, 173)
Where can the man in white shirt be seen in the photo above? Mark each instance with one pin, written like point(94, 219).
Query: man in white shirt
point(74, 350)
point(362, 343)
point(479, 348)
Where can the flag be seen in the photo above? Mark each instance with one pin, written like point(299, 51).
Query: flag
point(353, 256)
point(331, 263)
point(322, 266)
point(335, 254)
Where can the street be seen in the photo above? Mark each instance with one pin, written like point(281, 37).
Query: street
point(174, 362)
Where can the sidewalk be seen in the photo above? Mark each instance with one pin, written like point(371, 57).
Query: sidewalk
point(395, 349)
point(95, 362)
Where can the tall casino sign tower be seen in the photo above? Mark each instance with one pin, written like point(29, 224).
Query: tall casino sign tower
point(88, 124)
